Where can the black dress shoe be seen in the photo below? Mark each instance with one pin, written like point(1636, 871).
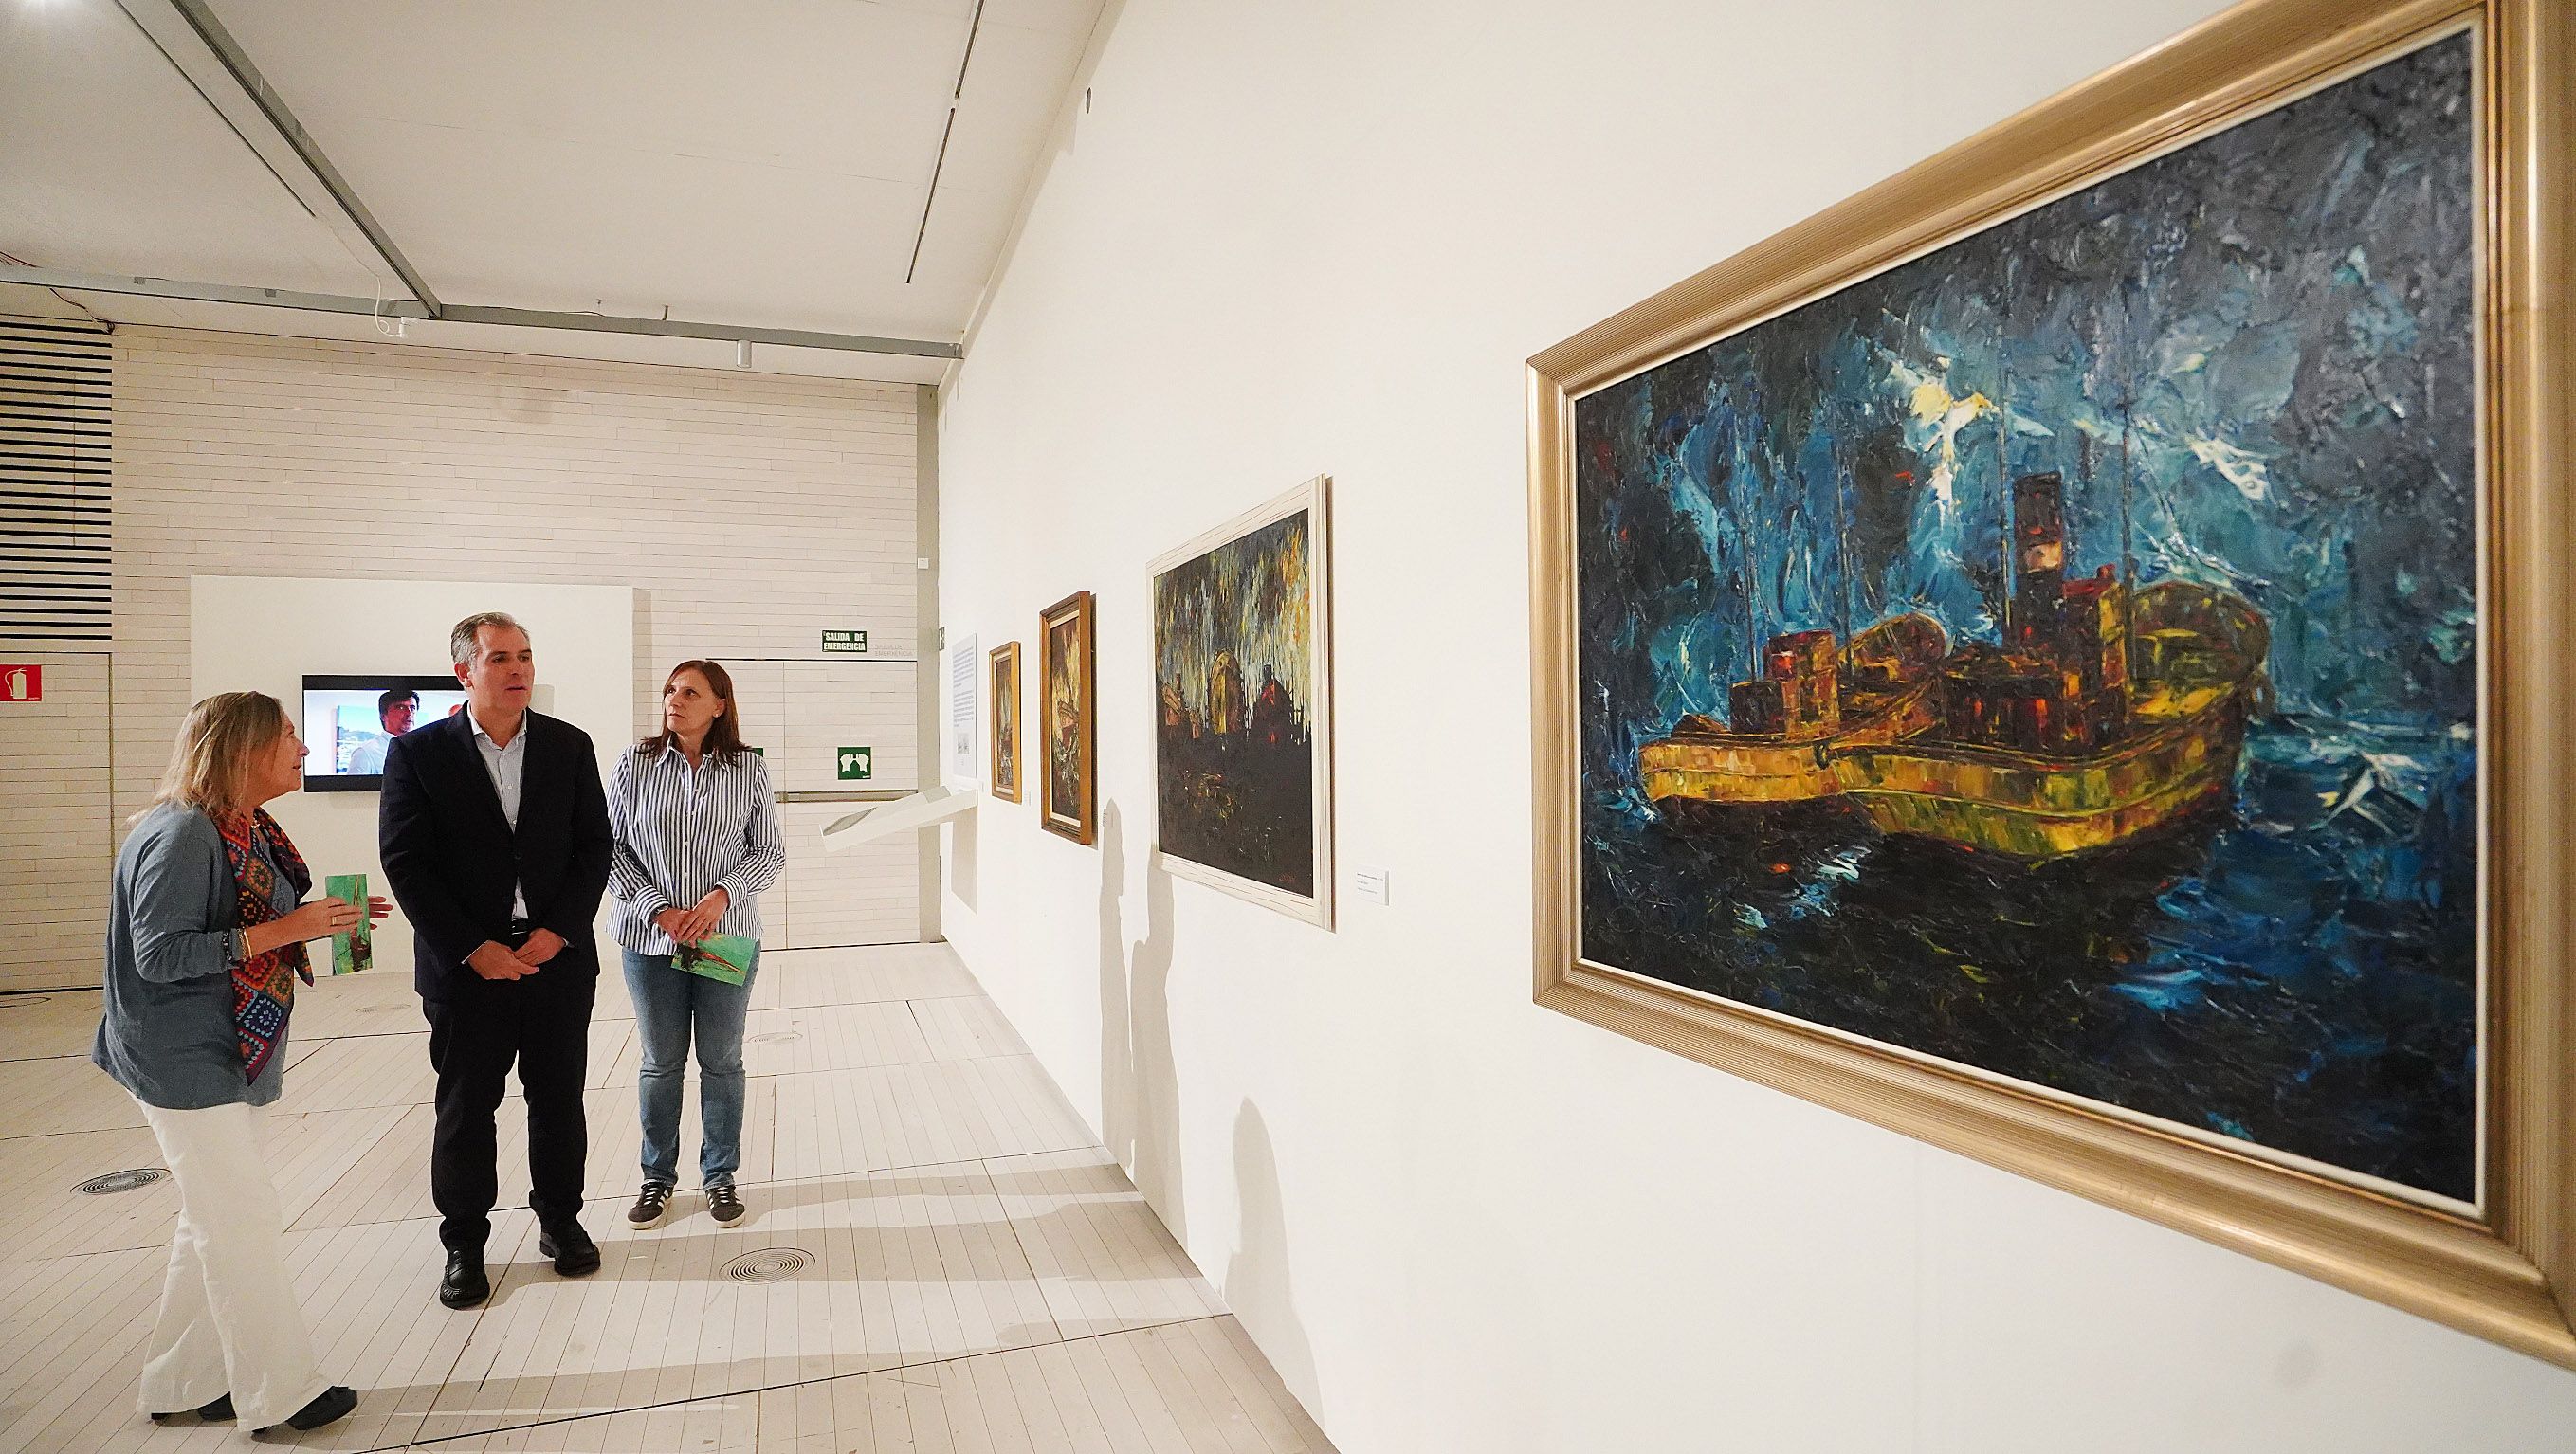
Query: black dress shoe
point(329, 1406)
point(574, 1253)
point(218, 1412)
point(464, 1284)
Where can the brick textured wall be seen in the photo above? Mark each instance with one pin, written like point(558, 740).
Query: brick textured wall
point(748, 510)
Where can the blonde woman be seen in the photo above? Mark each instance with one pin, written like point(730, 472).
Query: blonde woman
point(205, 944)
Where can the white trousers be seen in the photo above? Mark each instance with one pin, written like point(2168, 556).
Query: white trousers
point(229, 1320)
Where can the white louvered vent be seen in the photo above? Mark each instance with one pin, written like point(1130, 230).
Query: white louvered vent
point(54, 516)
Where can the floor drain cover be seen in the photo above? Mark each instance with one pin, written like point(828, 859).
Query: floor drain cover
point(117, 1181)
point(777, 1037)
point(775, 1265)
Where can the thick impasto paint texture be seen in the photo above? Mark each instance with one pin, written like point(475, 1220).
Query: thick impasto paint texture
point(1234, 669)
point(2060, 654)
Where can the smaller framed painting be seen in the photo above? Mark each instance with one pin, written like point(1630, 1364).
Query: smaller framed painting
point(1006, 722)
point(1067, 793)
point(1243, 771)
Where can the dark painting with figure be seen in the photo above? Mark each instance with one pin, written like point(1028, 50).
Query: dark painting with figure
point(2059, 654)
point(1235, 675)
point(1006, 721)
point(1066, 802)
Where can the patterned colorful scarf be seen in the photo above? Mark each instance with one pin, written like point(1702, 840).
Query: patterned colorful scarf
point(264, 984)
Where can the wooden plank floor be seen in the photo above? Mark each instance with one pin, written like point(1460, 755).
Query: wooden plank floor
point(979, 1277)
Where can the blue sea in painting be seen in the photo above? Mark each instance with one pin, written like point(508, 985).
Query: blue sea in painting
point(2242, 373)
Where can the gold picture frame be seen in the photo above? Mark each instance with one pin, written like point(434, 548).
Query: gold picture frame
point(1007, 747)
point(1068, 775)
point(2500, 1268)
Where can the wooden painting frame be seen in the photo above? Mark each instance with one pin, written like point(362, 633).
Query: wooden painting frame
point(1313, 499)
point(2503, 1273)
point(1007, 727)
point(1080, 819)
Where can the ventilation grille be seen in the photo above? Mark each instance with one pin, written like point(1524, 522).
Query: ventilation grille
point(777, 1264)
point(117, 1181)
point(54, 430)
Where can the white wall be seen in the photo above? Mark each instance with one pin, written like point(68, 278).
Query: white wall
point(1290, 240)
point(255, 634)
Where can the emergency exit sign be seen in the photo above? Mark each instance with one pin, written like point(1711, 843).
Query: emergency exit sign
point(21, 683)
point(853, 642)
point(856, 764)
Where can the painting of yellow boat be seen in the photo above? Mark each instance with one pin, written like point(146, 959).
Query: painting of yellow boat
point(2104, 713)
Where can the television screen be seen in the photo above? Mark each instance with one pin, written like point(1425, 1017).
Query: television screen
point(349, 719)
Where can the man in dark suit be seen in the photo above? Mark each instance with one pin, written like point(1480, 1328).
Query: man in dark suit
point(494, 835)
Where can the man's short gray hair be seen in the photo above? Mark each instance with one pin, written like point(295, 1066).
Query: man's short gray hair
point(460, 642)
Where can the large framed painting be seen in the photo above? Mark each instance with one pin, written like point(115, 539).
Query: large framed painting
point(2066, 654)
point(1006, 722)
point(1067, 794)
point(1243, 771)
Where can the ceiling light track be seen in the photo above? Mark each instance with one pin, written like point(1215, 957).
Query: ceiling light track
point(150, 287)
point(956, 94)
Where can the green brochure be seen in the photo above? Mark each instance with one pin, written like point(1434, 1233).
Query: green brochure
point(727, 957)
point(356, 949)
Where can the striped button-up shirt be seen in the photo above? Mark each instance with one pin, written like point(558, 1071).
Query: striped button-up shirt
point(682, 831)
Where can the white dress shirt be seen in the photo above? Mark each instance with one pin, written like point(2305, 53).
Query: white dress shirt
point(507, 765)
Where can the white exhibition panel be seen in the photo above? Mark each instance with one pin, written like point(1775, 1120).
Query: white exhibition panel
point(267, 634)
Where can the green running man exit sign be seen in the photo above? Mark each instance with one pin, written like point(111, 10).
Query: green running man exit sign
point(853, 642)
point(856, 763)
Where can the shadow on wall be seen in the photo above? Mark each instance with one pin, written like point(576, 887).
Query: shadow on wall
point(965, 859)
point(1140, 1108)
point(1256, 1286)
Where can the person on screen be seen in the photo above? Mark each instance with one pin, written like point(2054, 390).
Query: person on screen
point(494, 835)
point(394, 712)
point(205, 944)
point(697, 842)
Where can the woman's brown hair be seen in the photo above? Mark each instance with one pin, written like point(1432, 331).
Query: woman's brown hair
point(724, 734)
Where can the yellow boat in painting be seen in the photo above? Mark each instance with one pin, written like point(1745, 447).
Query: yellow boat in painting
point(1882, 692)
point(2200, 676)
point(2104, 713)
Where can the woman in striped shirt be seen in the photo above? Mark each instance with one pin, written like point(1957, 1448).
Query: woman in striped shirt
point(697, 840)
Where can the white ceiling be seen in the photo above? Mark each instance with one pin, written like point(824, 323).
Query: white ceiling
point(762, 163)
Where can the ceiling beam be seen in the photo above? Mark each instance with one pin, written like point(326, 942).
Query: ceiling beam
point(149, 287)
point(681, 328)
point(194, 41)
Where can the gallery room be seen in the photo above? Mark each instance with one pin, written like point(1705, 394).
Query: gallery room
point(1220, 728)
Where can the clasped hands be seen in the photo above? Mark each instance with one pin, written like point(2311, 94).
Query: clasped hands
point(688, 926)
point(494, 960)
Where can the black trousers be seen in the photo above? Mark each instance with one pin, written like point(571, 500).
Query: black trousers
point(476, 1032)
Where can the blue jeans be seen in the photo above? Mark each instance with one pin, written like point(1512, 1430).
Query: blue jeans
point(669, 1005)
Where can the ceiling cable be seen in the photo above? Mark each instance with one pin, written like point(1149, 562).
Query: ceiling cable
point(956, 94)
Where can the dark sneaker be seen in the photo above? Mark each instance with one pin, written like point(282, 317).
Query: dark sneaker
point(218, 1412)
point(329, 1406)
point(651, 1205)
point(574, 1253)
point(463, 1285)
point(724, 1205)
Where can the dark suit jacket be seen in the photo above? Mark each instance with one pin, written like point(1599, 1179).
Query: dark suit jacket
point(451, 858)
